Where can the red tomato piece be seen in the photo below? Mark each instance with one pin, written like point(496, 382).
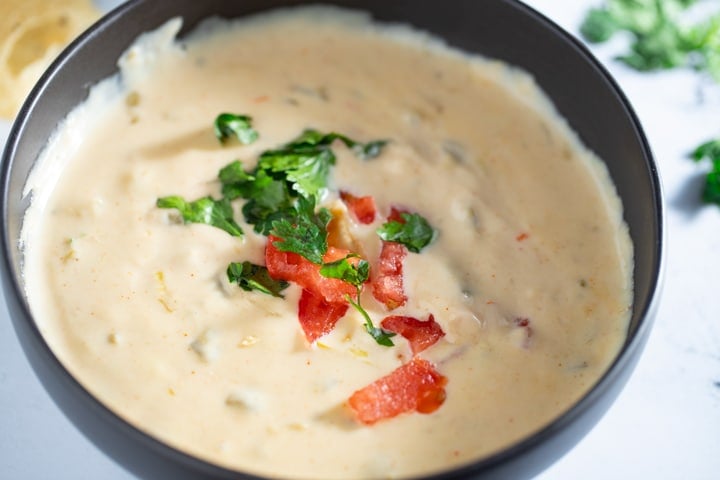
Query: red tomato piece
point(318, 317)
point(362, 207)
point(296, 268)
point(396, 215)
point(420, 333)
point(387, 283)
point(415, 386)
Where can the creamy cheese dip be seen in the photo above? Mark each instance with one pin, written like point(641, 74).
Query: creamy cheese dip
point(138, 307)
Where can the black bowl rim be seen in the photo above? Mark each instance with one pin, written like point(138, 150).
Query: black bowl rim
point(634, 342)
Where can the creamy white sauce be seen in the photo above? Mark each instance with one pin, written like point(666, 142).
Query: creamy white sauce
point(139, 309)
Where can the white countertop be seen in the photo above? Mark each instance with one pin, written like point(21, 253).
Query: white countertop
point(664, 425)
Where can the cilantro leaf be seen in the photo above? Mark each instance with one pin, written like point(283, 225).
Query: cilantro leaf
point(711, 192)
point(297, 169)
point(365, 151)
point(710, 151)
point(250, 277)
point(662, 48)
point(218, 213)
point(302, 230)
point(262, 216)
point(305, 168)
point(357, 275)
point(382, 337)
point(414, 232)
point(305, 162)
point(599, 25)
point(310, 137)
point(235, 181)
point(267, 198)
point(660, 38)
point(228, 125)
point(344, 270)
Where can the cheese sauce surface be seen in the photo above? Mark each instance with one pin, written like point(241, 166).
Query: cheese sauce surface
point(529, 276)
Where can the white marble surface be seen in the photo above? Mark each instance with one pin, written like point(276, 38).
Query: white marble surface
point(665, 424)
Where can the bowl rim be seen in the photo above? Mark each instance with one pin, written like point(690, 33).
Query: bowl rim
point(634, 342)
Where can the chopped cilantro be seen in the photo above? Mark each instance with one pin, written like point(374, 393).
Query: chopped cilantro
point(710, 151)
point(228, 125)
point(305, 162)
point(660, 39)
point(255, 277)
point(281, 194)
point(267, 198)
point(357, 275)
point(305, 168)
point(262, 215)
point(382, 337)
point(599, 25)
point(218, 213)
point(344, 270)
point(363, 150)
point(235, 181)
point(297, 169)
point(415, 232)
point(302, 230)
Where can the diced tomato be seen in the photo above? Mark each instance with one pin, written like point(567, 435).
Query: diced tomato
point(318, 317)
point(396, 215)
point(362, 207)
point(387, 283)
point(421, 334)
point(334, 253)
point(296, 268)
point(415, 386)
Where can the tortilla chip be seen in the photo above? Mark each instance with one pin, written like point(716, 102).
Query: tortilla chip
point(32, 34)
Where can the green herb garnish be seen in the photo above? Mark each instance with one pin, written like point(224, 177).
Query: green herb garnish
point(268, 199)
point(305, 168)
point(218, 213)
point(280, 196)
point(710, 151)
point(236, 182)
point(228, 125)
point(297, 169)
point(414, 232)
point(382, 337)
point(302, 230)
point(663, 39)
point(365, 151)
point(660, 40)
point(255, 277)
point(344, 270)
point(357, 275)
point(305, 162)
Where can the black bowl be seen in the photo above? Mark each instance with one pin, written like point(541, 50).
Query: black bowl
point(582, 91)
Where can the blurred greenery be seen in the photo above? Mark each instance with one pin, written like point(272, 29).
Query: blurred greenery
point(660, 36)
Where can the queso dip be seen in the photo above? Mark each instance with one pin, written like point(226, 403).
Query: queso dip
point(527, 275)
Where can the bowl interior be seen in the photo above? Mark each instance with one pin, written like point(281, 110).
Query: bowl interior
point(580, 88)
